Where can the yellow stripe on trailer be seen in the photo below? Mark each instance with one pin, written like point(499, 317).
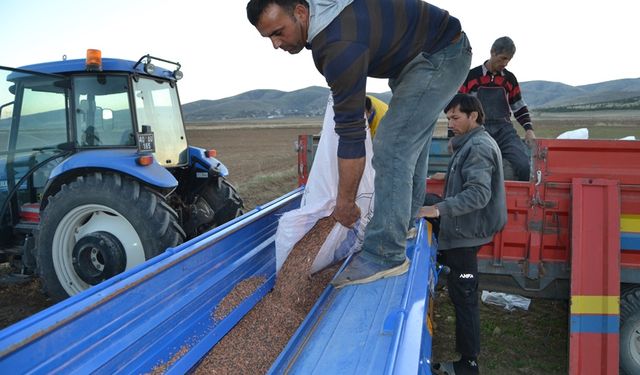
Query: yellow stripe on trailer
point(630, 223)
point(605, 305)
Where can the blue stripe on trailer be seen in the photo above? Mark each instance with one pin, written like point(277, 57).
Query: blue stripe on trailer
point(629, 241)
point(582, 323)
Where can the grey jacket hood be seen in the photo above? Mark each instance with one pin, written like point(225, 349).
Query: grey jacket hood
point(321, 13)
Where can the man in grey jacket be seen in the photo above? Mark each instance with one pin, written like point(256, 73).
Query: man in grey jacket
point(473, 210)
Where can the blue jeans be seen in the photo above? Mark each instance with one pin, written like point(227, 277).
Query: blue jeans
point(401, 146)
point(511, 147)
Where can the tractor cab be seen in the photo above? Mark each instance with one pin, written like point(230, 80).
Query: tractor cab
point(96, 175)
point(112, 101)
point(51, 110)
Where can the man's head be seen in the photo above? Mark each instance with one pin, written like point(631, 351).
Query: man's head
point(284, 22)
point(464, 113)
point(502, 52)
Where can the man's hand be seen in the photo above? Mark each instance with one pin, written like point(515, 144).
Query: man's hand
point(529, 138)
point(438, 176)
point(349, 172)
point(428, 211)
point(346, 213)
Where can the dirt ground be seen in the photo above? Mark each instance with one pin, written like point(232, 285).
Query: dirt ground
point(262, 164)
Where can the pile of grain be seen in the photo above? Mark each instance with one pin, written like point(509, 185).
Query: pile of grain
point(240, 292)
point(257, 340)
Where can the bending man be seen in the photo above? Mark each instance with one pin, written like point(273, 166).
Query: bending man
point(425, 55)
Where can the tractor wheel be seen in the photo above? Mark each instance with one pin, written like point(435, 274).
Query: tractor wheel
point(224, 200)
point(630, 332)
point(97, 227)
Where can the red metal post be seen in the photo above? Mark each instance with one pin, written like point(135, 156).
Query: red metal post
point(595, 277)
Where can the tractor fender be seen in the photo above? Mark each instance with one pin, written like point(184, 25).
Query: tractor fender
point(122, 161)
point(200, 160)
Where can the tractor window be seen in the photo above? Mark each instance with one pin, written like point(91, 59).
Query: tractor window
point(157, 105)
point(33, 124)
point(33, 112)
point(43, 119)
point(102, 112)
point(6, 112)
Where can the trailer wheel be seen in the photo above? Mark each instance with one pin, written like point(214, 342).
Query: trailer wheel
point(224, 200)
point(97, 227)
point(630, 332)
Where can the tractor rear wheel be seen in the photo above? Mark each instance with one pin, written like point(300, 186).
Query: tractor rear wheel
point(224, 200)
point(630, 332)
point(99, 226)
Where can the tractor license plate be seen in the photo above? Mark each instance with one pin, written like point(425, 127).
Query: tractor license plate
point(146, 142)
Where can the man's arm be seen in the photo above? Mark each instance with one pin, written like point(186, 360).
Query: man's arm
point(349, 175)
point(520, 109)
point(347, 79)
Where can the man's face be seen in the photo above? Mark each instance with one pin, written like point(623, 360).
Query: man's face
point(461, 123)
point(287, 32)
point(498, 61)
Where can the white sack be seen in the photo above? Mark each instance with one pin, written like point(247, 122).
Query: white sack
point(582, 133)
point(319, 200)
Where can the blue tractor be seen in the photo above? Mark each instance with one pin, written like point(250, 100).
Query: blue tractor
point(96, 175)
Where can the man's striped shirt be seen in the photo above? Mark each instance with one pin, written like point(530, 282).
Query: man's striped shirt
point(481, 77)
point(374, 38)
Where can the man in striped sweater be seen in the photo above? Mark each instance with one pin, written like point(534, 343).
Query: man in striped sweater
point(425, 55)
point(499, 92)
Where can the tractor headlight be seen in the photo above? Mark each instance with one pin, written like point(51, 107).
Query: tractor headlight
point(149, 68)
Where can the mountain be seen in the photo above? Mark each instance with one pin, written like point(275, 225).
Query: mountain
point(312, 101)
point(544, 94)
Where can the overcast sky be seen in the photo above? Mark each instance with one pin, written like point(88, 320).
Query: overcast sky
point(569, 41)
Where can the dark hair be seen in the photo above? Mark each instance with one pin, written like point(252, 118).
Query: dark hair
point(256, 7)
point(467, 104)
point(367, 103)
point(504, 45)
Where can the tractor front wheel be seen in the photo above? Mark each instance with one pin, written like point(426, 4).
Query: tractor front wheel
point(99, 226)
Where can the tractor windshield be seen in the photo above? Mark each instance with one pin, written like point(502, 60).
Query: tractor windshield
point(104, 116)
point(158, 106)
point(33, 132)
